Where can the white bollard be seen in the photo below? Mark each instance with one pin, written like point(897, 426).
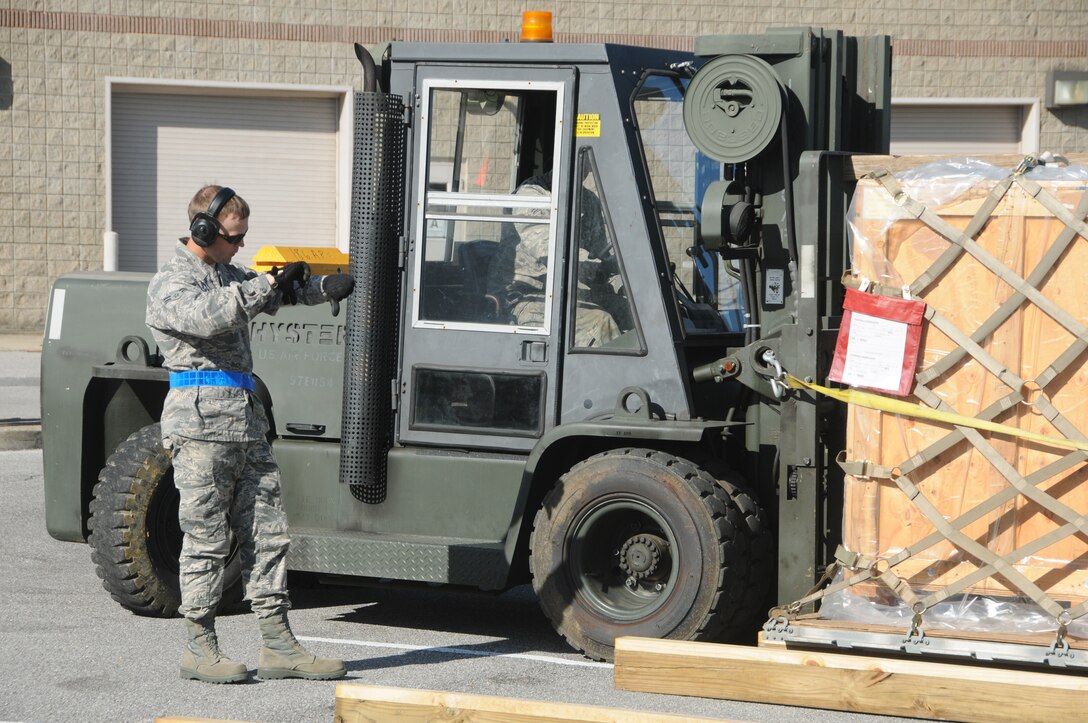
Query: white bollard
point(109, 251)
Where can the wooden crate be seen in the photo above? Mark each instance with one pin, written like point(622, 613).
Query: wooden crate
point(879, 520)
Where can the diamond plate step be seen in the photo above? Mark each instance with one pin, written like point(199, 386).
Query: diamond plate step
point(428, 559)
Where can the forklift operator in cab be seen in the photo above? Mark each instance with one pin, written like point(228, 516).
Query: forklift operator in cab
point(518, 275)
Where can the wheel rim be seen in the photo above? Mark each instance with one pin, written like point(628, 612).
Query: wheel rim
point(623, 559)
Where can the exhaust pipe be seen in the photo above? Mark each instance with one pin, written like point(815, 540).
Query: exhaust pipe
point(370, 354)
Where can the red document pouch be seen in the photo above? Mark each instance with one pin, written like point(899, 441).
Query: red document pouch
point(878, 342)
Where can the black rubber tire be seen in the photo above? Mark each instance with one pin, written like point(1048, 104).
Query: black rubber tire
point(135, 538)
point(758, 595)
point(604, 509)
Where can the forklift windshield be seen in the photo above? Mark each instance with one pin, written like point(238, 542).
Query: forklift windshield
point(708, 294)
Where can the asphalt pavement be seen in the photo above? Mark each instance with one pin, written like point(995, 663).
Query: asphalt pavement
point(20, 410)
point(70, 653)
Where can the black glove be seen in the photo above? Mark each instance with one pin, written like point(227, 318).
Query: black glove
point(286, 278)
point(337, 287)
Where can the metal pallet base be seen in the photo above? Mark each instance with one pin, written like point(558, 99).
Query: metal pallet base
point(938, 646)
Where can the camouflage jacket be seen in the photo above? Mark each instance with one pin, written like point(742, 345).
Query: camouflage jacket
point(199, 315)
point(521, 261)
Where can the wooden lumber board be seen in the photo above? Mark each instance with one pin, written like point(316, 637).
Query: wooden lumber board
point(854, 683)
point(879, 520)
point(362, 703)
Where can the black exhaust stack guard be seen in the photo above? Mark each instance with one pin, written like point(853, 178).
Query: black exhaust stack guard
point(373, 310)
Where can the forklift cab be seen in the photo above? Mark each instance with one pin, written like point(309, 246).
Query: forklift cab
point(552, 248)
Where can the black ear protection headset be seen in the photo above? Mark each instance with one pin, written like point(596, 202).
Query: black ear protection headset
point(205, 226)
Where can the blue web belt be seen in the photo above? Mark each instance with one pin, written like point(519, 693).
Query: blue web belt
point(212, 378)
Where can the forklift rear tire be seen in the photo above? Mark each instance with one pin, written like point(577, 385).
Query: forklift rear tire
point(135, 536)
point(640, 542)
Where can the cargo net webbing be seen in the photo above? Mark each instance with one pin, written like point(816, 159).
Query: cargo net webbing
point(1032, 488)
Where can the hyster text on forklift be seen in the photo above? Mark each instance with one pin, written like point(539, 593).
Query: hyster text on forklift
point(580, 269)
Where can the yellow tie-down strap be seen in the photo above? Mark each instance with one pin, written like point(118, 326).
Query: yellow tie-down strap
point(917, 411)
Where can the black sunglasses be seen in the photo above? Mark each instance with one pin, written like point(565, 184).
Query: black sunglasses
point(233, 239)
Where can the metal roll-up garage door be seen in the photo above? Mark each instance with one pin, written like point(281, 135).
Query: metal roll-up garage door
point(279, 152)
point(949, 129)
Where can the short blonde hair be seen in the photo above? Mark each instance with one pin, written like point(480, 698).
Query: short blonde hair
point(236, 206)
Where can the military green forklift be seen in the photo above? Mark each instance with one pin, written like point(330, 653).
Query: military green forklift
point(581, 271)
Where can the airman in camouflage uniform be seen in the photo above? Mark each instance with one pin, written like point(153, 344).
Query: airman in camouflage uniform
point(518, 275)
point(199, 309)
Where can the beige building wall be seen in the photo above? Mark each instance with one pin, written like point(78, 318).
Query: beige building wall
point(56, 54)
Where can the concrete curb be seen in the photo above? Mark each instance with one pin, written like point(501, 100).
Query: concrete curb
point(19, 430)
point(20, 436)
point(20, 342)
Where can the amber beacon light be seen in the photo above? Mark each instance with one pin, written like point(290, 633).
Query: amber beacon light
point(536, 26)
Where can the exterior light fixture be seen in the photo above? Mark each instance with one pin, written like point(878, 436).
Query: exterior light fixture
point(536, 26)
point(1066, 88)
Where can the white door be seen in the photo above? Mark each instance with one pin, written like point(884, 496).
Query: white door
point(956, 129)
point(278, 152)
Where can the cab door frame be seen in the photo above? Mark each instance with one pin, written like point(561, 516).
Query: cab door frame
point(453, 371)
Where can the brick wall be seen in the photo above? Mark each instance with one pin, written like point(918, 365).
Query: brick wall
point(55, 54)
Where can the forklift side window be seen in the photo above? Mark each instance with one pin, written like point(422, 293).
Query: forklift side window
point(679, 174)
point(488, 402)
point(603, 316)
point(487, 208)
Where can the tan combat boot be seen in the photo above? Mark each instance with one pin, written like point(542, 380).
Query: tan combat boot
point(202, 659)
point(283, 657)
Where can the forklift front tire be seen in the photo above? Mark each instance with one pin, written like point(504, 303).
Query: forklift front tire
point(639, 542)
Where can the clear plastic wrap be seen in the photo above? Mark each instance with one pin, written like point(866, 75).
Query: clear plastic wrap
point(1030, 351)
point(974, 613)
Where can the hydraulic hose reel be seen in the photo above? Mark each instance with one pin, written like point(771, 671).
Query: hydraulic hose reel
point(733, 108)
point(732, 112)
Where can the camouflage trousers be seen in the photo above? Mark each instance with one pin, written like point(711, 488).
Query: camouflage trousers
point(230, 487)
point(593, 326)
